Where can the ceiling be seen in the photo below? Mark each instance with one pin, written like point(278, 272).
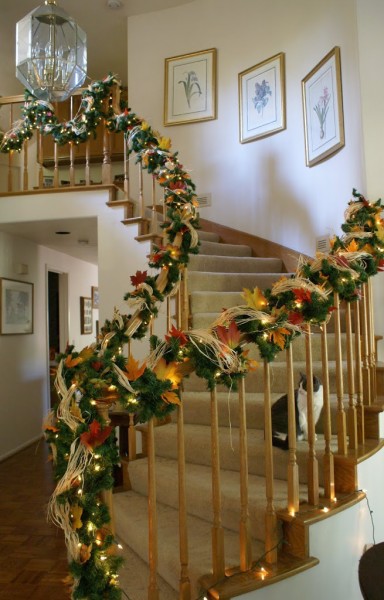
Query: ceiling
point(102, 24)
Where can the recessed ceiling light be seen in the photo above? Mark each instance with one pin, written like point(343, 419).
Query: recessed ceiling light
point(114, 4)
point(62, 232)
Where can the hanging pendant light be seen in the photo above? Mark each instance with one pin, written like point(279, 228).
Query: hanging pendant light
point(51, 53)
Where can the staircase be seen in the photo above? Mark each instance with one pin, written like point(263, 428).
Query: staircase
point(216, 278)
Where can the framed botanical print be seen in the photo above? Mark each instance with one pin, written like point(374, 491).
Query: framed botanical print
point(16, 307)
point(85, 315)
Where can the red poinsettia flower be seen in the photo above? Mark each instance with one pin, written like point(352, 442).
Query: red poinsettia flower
point(95, 436)
point(177, 334)
point(138, 278)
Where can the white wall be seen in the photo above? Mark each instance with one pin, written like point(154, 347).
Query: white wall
point(262, 187)
point(24, 358)
point(23, 366)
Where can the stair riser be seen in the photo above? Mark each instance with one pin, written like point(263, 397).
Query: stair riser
point(234, 282)
point(234, 264)
point(218, 249)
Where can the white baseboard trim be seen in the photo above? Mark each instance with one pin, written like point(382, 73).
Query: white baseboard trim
point(21, 447)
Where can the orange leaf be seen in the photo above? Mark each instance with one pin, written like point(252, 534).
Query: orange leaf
point(171, 371)
point(353, 246)
point(87, 352)
point(231, 336)
point(72, 362)
point(171, 398)
point(133, 370)
point(278, 336)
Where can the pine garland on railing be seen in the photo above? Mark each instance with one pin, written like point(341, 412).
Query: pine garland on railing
point(83, 445)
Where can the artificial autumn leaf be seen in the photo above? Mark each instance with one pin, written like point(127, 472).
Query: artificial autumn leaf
point(171, 371)
point(51, 428)
point(231, 336)
point(252, 364)
point(97, 365)
point(138, 278)
point(380, 266)
point(178, 335)
point(87, 352)
point(174, 251)
point(296, 318)
point(255, 299)
point(302, 295)
point(95, 436)
point(165, 143)
point(72, 362)
point(76, 512)
point(353, 246)
point(278, 336)
point(85, 553)
point(75, 411)
point(133, 370)
point(171, 398)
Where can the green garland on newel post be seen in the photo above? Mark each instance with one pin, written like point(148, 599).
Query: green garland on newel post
point(82, 443)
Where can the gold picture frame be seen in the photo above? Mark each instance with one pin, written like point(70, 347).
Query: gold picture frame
point(323, 109)
point(262, 109)
point(86, 319)
point(16, 307)
point(190, 88)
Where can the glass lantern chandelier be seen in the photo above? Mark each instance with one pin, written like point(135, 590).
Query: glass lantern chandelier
point(51, 53)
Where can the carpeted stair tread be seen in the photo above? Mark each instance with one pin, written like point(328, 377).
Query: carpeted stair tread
point(130, 503)
point(199, 477)
point(230, 282)
point(214, 302)
point(198, 449)
point(234, 264)
point(218, 248)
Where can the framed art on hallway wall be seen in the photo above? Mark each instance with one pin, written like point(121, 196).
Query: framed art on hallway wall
point(85, 315)
point(190, 88)
point(16, 307)
point(262, 99)
point(323, 109)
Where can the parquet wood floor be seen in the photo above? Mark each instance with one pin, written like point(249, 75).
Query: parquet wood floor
point(33, 559)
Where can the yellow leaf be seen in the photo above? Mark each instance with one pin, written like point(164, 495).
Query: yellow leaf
point(171, 397)
point(76, 512)
point(255, 299)
point(75, 411)
point(87, 352)
point(72, 362)
point(353, 246)
point(165, 143)
point(170, 371)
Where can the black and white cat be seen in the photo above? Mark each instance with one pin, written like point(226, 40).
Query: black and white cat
point(280, 412)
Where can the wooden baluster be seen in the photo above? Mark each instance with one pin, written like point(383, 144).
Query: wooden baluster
point(218, 560)
point(107, 166)
point(352, 417)
point(56, 165)
point(154, 223)
point(293, 469)
point(87, 173)
point(313, 466)
point(71, 152)
point(41, 154)
point(185, 584)
point(371, 338)
point(10, 153)
point(169, 318)
point(365, 348)
point(25, 165)
point(126, 167)
point(153, 590)
point(106, 495)
point(132, 438)
point(328, 461)
point(141, 192)
point(245, 535)
point(184, 299)
point(359, 377)
point(341, 417)
point(270, 513)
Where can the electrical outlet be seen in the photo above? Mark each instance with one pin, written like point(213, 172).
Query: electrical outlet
point(323, 244)
point(204, 200)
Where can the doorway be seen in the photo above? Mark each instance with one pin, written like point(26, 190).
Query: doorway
point(57, 324)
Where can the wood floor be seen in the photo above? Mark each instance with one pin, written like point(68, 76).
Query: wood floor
point(33, 561)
